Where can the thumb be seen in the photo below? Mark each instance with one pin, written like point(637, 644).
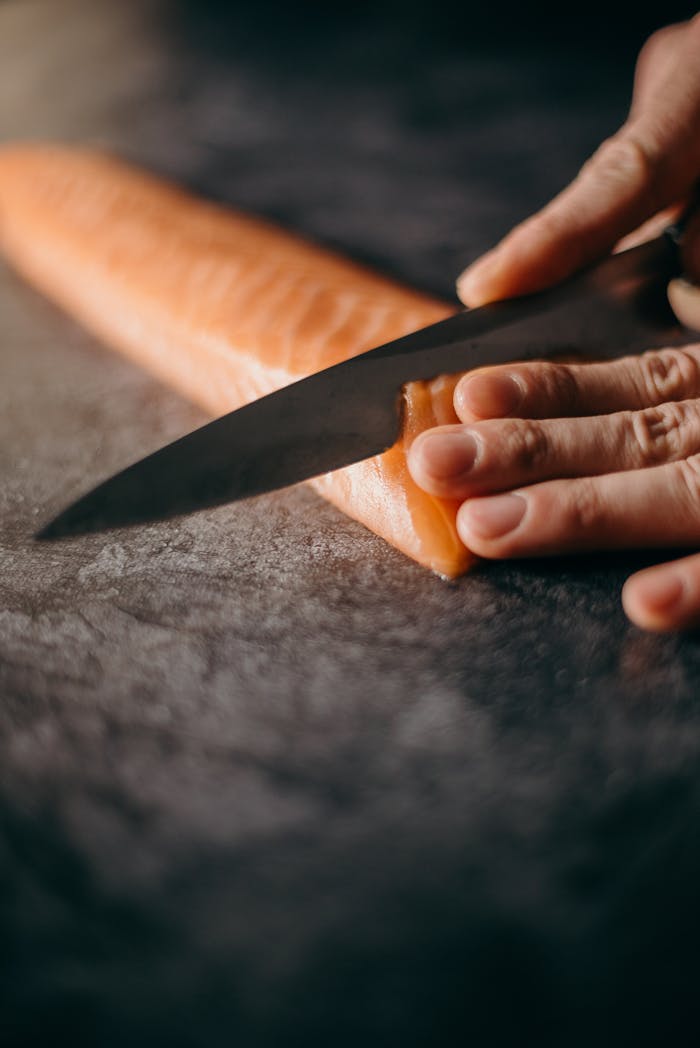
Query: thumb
point(651, 163)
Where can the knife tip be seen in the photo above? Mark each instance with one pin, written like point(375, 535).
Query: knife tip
point(61, 527)
point(47, 533)
point(77, 519)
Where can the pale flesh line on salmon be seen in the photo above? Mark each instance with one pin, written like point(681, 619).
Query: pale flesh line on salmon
point(225, 308)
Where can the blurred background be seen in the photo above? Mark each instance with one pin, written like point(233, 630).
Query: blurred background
point(263, 782)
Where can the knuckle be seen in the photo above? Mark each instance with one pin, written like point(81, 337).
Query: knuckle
point(583, 509)
point(669, 374)
point(657, 46)
point(526, 445)
point(692, 27)
point(623, 159)
point(660, 433)
point(560, 384)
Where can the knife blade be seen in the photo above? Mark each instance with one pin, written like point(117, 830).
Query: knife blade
point(352, 411)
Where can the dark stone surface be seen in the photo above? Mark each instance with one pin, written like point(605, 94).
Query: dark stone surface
point(262, 780)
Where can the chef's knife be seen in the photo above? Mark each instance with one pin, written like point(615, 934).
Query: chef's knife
point(352, 411)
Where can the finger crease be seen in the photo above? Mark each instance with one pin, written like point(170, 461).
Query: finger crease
point(658, 433)
point(584, 511)
point(670, 375)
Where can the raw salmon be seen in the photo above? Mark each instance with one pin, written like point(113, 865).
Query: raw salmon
point(225, 308)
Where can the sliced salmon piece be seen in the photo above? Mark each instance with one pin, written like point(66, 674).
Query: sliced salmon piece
point(224, 308)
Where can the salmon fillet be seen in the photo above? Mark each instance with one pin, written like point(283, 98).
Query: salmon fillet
point(225, 308)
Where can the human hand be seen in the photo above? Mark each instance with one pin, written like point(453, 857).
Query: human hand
point(553, 458)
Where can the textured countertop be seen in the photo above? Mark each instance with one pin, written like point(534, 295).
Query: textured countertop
point(263, 781)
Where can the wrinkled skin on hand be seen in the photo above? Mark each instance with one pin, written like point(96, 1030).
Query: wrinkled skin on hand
point(553, 458)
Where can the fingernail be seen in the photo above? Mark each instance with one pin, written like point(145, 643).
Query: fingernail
point(491, 396)
point(493, 517)
point(447, 456)
point(659, 590)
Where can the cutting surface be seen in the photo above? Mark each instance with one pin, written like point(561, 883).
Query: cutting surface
point(263, 780)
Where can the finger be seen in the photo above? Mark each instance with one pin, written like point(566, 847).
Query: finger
point(665, 597)
point(648, 165)
point(652, 507)
point(545, 389)
point(462, 461)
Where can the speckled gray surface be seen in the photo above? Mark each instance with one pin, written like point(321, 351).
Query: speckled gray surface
point(262, 780)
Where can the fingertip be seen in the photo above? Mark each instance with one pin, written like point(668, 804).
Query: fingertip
point(487, 524)
point(463, 529)
point(469, 291)
point(476, 286)
point(655, 599)
point(526, 260)
point(439, 460)
point(415, 462)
